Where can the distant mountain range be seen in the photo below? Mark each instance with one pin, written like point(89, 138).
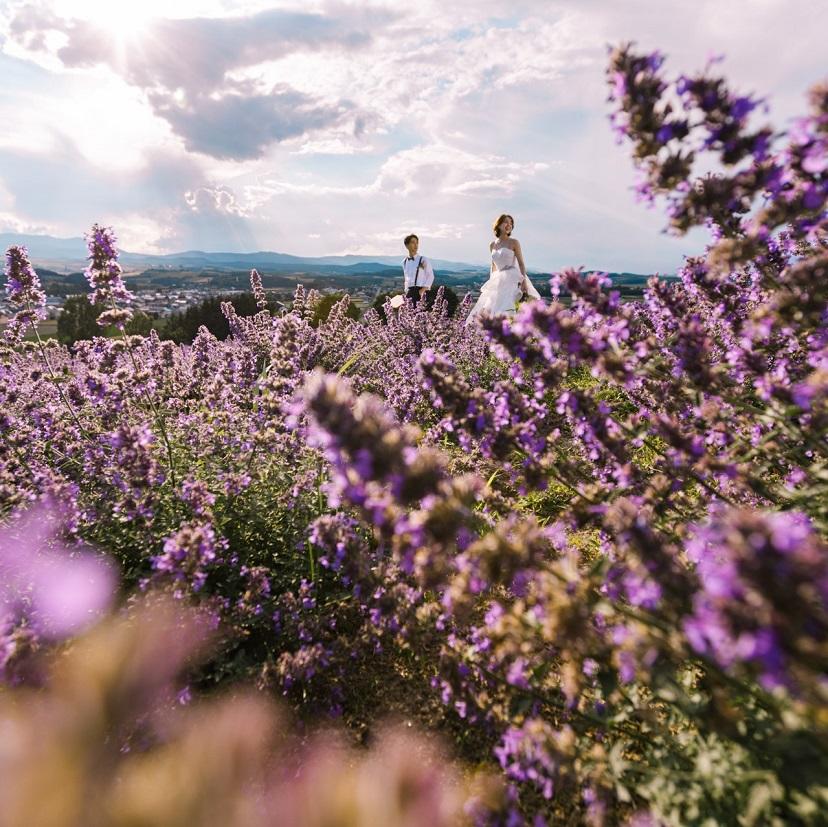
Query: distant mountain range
point(45, 249)
point(47, 246)
point(70, 253)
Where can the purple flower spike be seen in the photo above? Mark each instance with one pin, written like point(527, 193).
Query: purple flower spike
point(104, 273)
point(189, 553)
point(258, 289)
point(763, 601)
point(23, 291)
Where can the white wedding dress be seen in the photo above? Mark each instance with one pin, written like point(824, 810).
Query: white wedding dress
point(501, 292)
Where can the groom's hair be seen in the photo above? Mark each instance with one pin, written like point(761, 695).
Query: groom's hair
point(496, 225)
point(408, 238)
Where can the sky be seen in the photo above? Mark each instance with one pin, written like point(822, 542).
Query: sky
point(330, 128)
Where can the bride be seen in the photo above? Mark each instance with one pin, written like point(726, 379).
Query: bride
point(507, 279)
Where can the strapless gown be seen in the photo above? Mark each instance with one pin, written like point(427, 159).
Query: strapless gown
point(501, 292)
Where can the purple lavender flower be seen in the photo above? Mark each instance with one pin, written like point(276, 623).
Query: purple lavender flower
point(104, 273)
point(23, 291)
point(258, 290)
point(198, 496)
point(665, 133)
point(188, 554)
point(117, 316)
point(533, 753)
point(763, 601)
point(22, 282)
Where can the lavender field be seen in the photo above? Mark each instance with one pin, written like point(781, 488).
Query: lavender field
point(567, 567)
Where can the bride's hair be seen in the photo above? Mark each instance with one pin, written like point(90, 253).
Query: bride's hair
point(496, 225)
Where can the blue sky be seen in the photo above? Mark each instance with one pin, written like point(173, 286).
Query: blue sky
point(320, 127)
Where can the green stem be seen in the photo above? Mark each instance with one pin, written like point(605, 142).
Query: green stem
point(311, 561)
point(559, 704)
point(320, 508)
point(710, 666)
point(690, 472)
point(63, 457)
point(672, 772)
point(319, 500)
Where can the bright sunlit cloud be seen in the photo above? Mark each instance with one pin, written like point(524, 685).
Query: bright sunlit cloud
point(127, 22)
point(108, 14)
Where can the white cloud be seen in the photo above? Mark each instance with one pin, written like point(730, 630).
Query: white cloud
point(185, 67)
point(427, 115)
point(441, 169)
point(431, 171)
point(220, 200)
point(9, 223)
point(354, 242)
point(334, 145)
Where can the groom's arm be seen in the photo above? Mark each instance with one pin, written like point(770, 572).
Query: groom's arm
point(429, 274)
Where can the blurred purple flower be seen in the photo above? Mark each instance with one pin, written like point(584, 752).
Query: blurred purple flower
point(60, 589)
point(763, 600)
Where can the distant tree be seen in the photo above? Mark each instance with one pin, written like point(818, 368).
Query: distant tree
point(379, 301)
point(452, 299)
point(182, 327)
point(56, 284)
point(77, 320)
point(139, 325)
point(326, 303)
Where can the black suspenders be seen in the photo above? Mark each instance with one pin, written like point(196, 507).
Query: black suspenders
point(416, 270)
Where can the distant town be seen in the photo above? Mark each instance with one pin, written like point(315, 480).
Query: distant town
point(158, 301)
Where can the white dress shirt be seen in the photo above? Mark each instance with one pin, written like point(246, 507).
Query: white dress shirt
point(417, 272)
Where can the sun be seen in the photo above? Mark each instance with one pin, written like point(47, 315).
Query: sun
point(124, 22)
point(129, 21)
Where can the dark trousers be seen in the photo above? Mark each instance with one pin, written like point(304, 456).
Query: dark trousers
point(413, 294)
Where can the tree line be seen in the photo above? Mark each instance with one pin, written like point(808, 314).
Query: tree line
point(77, 321)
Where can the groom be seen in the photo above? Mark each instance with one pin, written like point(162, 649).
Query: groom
point(417, 272)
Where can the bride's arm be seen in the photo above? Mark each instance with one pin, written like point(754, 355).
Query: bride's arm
point(519, 256)
point(491, 266)
point(526, 284)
